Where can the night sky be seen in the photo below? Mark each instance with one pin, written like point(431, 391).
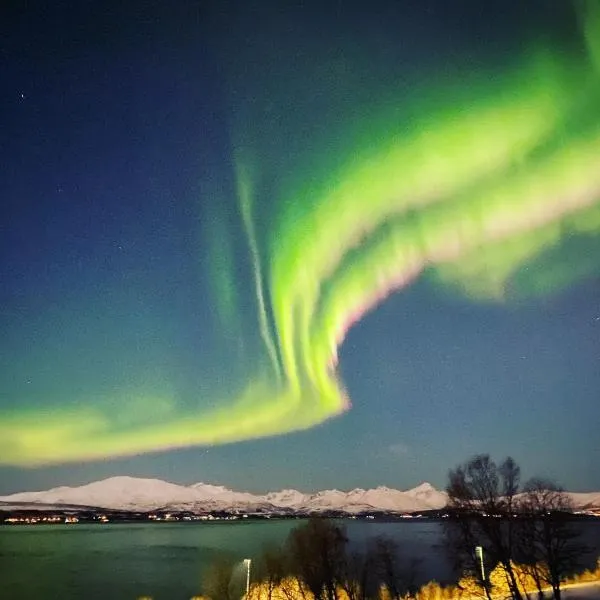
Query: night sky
point(298, 244)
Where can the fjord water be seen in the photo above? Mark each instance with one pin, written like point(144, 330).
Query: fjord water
point(167, 560)
point(162, 560)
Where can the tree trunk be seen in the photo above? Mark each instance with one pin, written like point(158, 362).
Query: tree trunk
point(514, 585)
point(556, 591)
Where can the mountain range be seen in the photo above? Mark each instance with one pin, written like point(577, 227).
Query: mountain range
point(135, 494)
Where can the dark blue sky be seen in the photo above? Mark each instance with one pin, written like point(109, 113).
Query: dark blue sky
point(117, 168)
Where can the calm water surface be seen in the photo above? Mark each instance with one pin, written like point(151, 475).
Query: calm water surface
point(166, 560)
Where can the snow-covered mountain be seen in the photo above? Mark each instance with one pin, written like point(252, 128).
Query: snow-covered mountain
point(130, 493)
point(585, 500)
point(380, 499)
point(287, 498)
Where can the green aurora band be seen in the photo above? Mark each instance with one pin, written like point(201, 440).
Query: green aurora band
point(473, 195)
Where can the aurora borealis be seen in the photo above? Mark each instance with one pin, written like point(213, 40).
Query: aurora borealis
point(352, 175)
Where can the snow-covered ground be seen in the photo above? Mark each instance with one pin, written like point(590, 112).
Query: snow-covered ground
point(582, 591)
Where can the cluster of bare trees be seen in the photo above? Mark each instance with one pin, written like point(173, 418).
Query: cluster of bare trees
point(317, 562)
point(528, 526)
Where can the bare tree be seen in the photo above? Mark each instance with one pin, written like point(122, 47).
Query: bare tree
point(482, 496)
point(318, 557)
point(358, 580)
point(397, 575)
point(549, 541)
point(271, 569)
point(217, 579)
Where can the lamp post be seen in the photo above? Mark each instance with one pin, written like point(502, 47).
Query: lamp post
point(479, 555)
point(247, 562)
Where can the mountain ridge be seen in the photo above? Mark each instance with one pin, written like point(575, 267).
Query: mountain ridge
point(131, 493)
point(145, 494)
